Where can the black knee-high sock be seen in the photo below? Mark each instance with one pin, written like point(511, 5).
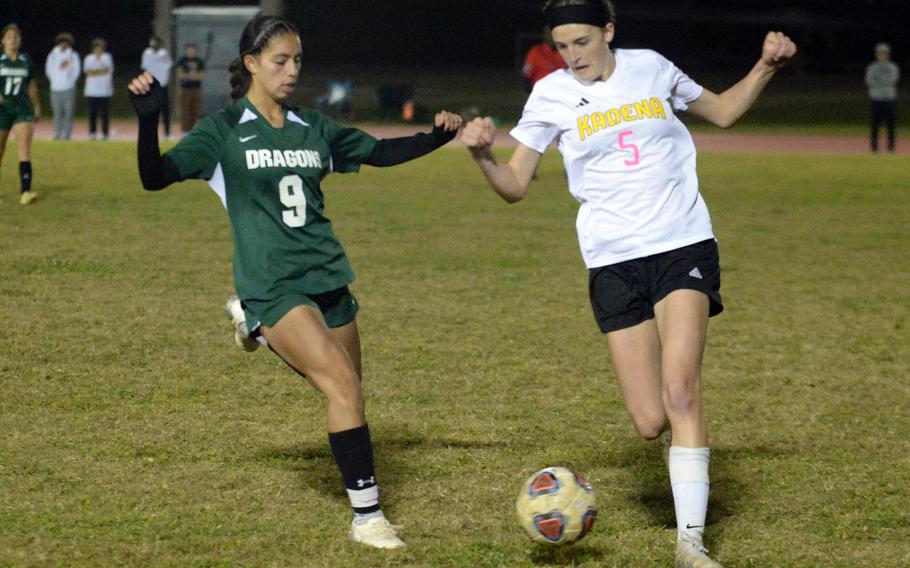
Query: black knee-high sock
point(25, 175)
point(353, 451)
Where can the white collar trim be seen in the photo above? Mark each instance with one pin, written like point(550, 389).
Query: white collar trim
point(294, 118)
point(247, 116)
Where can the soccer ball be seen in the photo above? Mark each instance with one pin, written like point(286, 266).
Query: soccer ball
point(556, 506)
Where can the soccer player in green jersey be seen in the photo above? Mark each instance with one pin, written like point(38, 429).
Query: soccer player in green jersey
point(265, 160)
point(20, 106)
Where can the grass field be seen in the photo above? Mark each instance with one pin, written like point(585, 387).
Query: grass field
point(135, 433)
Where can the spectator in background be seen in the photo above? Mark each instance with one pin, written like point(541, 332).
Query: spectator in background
point(157, 61)
point(62, 68)
point(190, 72)
point(99, 87)
point(541, 60)
point(882, 76)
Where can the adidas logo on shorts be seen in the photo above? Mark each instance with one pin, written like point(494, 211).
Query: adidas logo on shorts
point(696, 273)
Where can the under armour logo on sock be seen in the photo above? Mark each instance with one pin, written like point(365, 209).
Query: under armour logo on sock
point(364, 482)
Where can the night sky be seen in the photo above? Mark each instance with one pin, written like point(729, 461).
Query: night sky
point(833, 36)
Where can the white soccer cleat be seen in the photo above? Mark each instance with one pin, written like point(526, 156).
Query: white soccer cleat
point(234, 312)
point(377, 532)
point(27, 197)
point(691, 553)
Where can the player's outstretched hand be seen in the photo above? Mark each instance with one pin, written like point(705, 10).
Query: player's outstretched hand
point(445, 126)
point(777, 50)
point(478, 135)
point(146, 95)
point(448, 121)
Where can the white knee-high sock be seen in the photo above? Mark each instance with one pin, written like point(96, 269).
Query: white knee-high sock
point(689, 480)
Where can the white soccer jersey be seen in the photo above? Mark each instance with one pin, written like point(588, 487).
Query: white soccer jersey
point(629, 159)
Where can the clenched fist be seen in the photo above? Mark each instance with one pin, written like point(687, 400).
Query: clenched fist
point(478, 135)
point(777, 50)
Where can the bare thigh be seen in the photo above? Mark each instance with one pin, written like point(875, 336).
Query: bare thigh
point(682, 319)
point(349, 336)
point(4, 135)
point(636, 355)
point(304, 341)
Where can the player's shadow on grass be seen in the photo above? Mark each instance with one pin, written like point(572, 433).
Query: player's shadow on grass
point(315, 461)
point(651, 492)
point(566, 555)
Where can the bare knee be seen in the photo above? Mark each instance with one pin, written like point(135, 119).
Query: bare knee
point(649, 425)
point(343, 391)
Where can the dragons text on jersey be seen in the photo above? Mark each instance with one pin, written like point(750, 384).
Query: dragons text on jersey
point(269, 181)
point(283, 159)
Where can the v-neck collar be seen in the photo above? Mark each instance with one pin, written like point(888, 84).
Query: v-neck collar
point(247, 104)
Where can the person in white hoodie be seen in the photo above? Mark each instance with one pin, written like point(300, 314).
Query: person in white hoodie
point(157, 61)
point(99, 88)
point(62, 68)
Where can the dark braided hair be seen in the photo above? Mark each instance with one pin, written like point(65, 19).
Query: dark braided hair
point(255, 37)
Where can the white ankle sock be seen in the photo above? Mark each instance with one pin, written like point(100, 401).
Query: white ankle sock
point(361, 518)
point(689, 480)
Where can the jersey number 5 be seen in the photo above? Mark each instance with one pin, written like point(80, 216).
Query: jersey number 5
point(292, 196)
point(636, 155)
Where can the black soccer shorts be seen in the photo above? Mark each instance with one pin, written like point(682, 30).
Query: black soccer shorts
point(624, 294)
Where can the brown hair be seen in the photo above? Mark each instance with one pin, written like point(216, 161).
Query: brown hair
point(606, 4)
point(65, 37)
point(255, 37)
point(9, 27)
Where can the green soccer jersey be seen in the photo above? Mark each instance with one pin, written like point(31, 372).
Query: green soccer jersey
point(14, 79)
point(268, 180)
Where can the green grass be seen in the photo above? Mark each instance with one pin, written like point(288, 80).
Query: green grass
point(135, 433)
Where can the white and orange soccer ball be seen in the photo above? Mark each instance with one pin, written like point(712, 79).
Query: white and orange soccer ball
point(556, 506)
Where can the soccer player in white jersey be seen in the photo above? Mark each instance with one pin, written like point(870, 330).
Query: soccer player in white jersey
point(643, 228)
point(266, 160)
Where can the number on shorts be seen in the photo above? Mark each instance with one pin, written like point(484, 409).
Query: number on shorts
point(292, 196)
point(636, 155)
point(12, 86)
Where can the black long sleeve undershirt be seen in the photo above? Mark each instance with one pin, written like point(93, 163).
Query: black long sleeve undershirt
point(394, 151)
point(155, 171)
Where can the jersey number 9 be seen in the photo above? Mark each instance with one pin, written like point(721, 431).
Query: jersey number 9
point(292, 196)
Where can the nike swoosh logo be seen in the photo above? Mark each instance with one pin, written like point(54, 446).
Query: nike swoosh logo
point(247, 138)
point(688, 526)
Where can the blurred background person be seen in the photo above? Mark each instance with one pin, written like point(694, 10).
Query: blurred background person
point(62, 68)
point(157, 61)
point(190, 72)
point(20, 106)
point(541, 60)
point(882, 76)
point(98, 68)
